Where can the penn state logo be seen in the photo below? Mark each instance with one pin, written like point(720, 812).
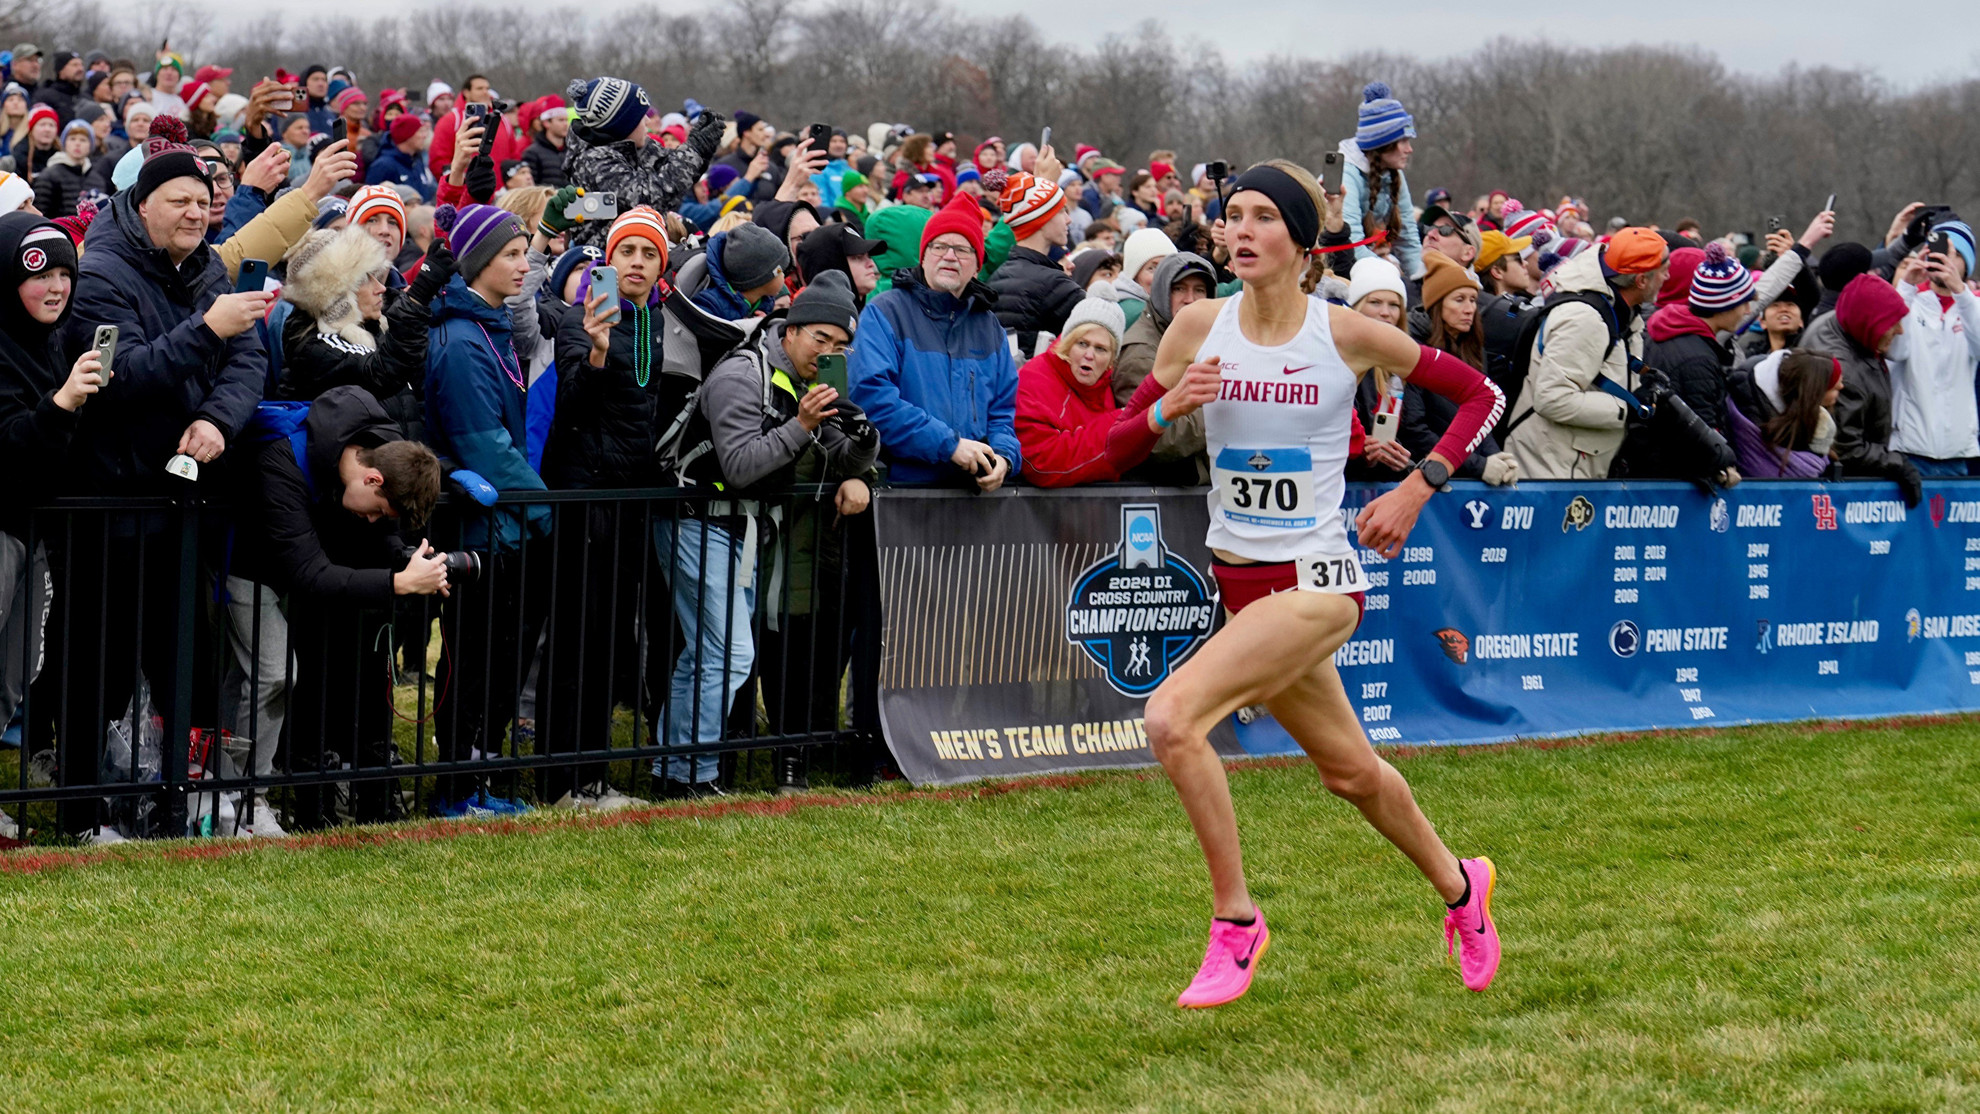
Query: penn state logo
point(1140, 611)
point(1580, 513)
point(1721, 516)
point(1475, 512)
point(1625, 638)
point(33, 259)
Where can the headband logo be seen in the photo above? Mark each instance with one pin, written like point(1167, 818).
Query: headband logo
point(34, 259)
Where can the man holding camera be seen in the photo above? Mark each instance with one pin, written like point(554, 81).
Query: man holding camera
point(319, 506)
point(763, 423)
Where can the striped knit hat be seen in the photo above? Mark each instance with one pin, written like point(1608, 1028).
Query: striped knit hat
point(642, 222)
point(610, 108)
point(1520, 221)
point(373, 200)
point(477, 234)
point(1382, 120)
point(1028, 202)
point(1720, 283)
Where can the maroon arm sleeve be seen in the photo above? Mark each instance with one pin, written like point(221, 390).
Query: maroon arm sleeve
point(1480, 402)
point(1130, 441)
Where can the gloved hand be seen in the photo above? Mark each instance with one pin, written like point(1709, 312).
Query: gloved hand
point(1912, 484)
point(480, 180)
point(555, 223)
point(434, 273)
point(1501, 470)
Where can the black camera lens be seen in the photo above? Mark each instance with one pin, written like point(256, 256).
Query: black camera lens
point(463, 565)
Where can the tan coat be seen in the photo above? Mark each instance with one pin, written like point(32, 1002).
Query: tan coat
point(1575, 427)
point(269, 236)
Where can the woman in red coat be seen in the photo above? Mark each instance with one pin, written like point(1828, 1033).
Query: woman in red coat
point(1067, 423)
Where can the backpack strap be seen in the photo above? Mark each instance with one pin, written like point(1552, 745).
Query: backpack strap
point(1589, 298)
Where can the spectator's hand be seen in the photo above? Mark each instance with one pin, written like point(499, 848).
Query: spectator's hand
point(973, 457)
point(1779, 241)
point(1217, 234)
point(1199, 384)
point(1944, 279)
point(1902, 221)
point(467, 144)
point(1335, 222)
point(1729, 477)
point(334, 165)
point(854, 497)
point(758, 166)
point(804, 163)
point(202, 441)
point(555, 223)
point(1911, 484)
point(1819, 229)
point(597, 326)
point(997, 474)
point(261, 101)
point(425, 573)
point(1386, 521)
point(230, 315)
point(1047, 167)
point(434, 273)
point(481, 181)
point(1910, 271)
point(815, 407)
point(1388, 454)
point(85, 379)
point(1501, 470)
point(269, 170)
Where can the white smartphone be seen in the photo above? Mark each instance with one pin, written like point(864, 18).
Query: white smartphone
point(1383, 425)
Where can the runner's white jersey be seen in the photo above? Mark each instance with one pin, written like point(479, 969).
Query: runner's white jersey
point(1278, 440)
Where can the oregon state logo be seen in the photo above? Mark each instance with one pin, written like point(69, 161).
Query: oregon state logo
point(1456, 646)
point(1142, 609)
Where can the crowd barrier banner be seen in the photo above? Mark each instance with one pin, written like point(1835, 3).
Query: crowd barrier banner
point(1025, 628)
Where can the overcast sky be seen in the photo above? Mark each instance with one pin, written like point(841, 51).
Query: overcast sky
point(1751, 37)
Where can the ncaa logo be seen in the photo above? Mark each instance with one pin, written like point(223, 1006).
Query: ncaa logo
point(33, 259)
point(1625, 638)
point(1141, 534)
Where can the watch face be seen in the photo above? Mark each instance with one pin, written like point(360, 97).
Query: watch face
point(1436, 473)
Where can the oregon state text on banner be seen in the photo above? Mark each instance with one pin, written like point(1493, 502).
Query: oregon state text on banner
point(1544, 609)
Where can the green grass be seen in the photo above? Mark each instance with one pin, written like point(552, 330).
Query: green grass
point(1762, 919)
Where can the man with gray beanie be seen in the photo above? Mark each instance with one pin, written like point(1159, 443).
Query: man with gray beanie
point(763, 422)
point(745, 265)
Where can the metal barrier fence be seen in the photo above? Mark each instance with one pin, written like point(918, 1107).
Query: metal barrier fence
point(180, 679)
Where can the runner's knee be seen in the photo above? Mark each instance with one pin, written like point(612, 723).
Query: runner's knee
point(1356, 782)
point(1168, 726)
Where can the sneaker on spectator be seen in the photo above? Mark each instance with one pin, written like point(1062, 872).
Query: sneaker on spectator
point(263, 824)
point(8, 828)
point(103, 837)
point(609, 799)
point(41, 769)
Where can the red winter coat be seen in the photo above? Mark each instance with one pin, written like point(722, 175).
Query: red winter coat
point(507, 143)
point(1074, 434)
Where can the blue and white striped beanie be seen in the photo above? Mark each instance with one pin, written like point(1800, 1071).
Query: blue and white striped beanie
point(1720, 283)
point(1961, 235)
point(611, 108)
point(1382, 119)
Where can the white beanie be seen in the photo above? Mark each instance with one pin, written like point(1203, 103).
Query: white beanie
point(14, 192)
point(1144, 245)
point(1101, 312)
point(436, 89)
point(1372, 274)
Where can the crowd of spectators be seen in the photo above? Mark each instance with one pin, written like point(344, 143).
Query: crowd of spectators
point(329, 306)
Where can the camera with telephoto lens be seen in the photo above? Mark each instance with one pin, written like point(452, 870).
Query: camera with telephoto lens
point(462, 564)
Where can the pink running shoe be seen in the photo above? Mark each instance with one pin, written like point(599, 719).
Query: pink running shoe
point(1228, 963)
point(1470, 925)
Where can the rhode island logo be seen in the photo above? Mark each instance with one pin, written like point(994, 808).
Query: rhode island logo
point(1141, 610)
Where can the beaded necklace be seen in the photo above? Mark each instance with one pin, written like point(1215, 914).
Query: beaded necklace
point(642, 344)
point(515, 376)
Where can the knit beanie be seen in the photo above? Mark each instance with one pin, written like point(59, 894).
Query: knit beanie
point(560, 273)
point(437, 90)
point(404, 128)
point(1029, 202)
point(167, 155)
point(752, 256)
point(14, 192)
point(329, 211)
point(1443, 276)
point(1961, 235)
point(826, 300)
point(345, 98)
point(477, 234)
point(960, 216)
point(746, 121)
point(1103, 312)
point(370, 201)
point(1372, 274)
point(42, 112)
point(641, 222)
point(1559, 252)
point(850, 179)
point(1142, 246)
point(1677, 285)
point(1381, 119)
point(611, 109)
point(1522, 222)
point(720, 177)
point(1720, 283)
point(1868, 308)
point(1842, 263)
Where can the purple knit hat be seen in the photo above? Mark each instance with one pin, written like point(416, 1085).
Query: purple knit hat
point(1720, 283)
point(477, 234)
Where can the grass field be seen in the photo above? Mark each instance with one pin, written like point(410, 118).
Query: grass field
point(1760, 919)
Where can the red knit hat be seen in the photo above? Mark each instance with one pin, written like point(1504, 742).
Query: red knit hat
point(405, 127)
point(1029, 202)
point(641, 222)
point(1867, 308)
point(1160, 170)
point(960, 216)
point(36, 113)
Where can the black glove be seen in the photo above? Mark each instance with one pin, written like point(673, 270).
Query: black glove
point(1912, 484)
point(480, 179)
point(434, 272)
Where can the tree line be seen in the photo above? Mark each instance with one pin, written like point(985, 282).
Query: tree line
point(1651, 134)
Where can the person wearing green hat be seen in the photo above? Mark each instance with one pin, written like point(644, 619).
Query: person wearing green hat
point(855, 199)
point(900, 226)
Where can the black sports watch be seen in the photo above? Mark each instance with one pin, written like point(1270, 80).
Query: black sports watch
point(1434, 471)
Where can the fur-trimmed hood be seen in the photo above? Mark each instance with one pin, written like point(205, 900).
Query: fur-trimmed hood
point(325, 270)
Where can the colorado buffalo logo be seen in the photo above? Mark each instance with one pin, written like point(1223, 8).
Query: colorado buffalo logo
point(1456, 646)
point(1580, 513)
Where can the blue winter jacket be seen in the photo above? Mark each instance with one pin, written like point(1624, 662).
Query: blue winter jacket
point(170, 369)
point(929, 369)
point(1357, 203)
point(395, 167)
point(718, 296)
point(475, 411)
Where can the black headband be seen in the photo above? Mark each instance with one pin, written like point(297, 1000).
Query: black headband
point(1295, 204)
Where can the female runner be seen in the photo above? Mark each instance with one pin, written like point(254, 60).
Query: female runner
point(1282, 369)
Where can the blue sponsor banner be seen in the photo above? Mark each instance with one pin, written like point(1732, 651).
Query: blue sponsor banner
point(1557, 608)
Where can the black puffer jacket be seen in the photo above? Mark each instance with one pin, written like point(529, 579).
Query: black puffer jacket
point(392, 367)
point(607, 420)
point(1500, 317)
point(546, 162)
point(1034, 295)
point(1691, 357)
point(58, 187)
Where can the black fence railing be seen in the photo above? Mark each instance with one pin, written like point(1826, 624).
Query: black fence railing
point(172, 668)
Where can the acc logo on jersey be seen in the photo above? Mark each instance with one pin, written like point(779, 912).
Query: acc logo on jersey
point(1625, 638)
point(1580, 513)
point(1456, 646)
point(1140, 611)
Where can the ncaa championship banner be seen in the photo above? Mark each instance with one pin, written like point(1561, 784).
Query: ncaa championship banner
point(1545, 609)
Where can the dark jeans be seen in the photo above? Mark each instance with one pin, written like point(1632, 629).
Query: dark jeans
point(488, 631)
point(342, 705)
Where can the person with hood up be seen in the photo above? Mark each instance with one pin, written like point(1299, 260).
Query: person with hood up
point(41, 393)
point(1778, 414)
point(745, 271)
point(933, 370)
point(608, 149)
point(1034, 294)
point(1684, 332)
point(1072, 430)
point(1375, 193)
point(1933, 419)
point(900, 226)
point(1867, 329)
point(1178, 280)
point(476, 418)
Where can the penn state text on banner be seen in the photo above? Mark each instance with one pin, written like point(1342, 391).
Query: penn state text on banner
point(1013, 620)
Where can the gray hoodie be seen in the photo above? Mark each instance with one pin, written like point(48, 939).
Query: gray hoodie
point(1185, 438)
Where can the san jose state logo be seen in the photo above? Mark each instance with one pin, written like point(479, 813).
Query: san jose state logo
point(1142, 609)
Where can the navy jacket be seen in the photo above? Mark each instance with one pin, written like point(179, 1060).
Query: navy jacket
point(930, 369)
point(170, 369)
point(476, 414)
point(395, 167)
